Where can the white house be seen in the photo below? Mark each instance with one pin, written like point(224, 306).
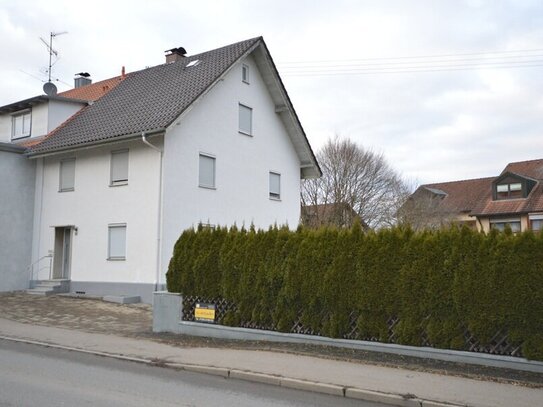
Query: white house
point(210, 138)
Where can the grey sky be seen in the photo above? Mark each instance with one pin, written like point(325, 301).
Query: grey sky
point(431, 126)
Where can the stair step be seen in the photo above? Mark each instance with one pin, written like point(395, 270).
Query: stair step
point(50, 283)
point(33, 291)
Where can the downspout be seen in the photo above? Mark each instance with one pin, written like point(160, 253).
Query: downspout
point(159, 217)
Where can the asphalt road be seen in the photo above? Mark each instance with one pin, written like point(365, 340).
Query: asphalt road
point(32, 375)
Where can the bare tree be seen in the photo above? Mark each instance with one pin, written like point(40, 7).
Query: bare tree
point(353, 178)
point(425, 210)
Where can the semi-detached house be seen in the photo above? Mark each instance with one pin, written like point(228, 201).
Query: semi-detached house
point(210, 138)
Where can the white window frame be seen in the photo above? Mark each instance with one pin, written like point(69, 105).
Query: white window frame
point(61, 165)
point(109, 228)
point(272, 194)
point(119, 182)
point(250, 109)
point(23, 115)
point(245, 78)
point(200, 183)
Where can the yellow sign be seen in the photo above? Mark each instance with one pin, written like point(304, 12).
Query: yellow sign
point(204, 312)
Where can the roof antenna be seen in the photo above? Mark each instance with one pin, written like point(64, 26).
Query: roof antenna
point(49, 88)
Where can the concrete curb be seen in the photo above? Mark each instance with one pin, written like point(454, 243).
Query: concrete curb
point(287, 382)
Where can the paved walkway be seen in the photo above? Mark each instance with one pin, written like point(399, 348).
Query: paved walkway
point(75, 318)
point(90, 315)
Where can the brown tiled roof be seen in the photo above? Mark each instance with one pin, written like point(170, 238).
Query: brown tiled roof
point(461, 196)
point(94, 91)
point(532, 168)
point(532, 203)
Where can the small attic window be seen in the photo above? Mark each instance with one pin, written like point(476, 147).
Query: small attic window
point(245, 73)
point(193, 63)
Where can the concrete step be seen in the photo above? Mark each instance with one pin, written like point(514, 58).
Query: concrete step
point(40, 291)
point(52, 283)
point(50, 287)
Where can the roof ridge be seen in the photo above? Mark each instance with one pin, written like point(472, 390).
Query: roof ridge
point(524, 162)
point(458, 181)
point(254, 39)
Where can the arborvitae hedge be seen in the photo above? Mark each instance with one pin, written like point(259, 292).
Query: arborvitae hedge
point(435, 283)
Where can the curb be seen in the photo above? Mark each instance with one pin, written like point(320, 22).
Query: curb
point(281, 381)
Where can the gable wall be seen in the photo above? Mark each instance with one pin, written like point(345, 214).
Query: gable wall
point(242, 162)
point(59, 112)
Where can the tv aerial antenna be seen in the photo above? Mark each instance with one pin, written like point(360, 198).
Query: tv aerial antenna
point(49, 88)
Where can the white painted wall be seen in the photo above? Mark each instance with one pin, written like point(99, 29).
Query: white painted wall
point(242, 162)
point(5, 128)
point(40, 117)
point(59, 112)
point(93, 205)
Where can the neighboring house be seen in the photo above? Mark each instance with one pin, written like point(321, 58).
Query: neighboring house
point(17, 184)
point(514, 199)
point(210, 138)
point(23, 124)
point(436, 205)
point(338, 214)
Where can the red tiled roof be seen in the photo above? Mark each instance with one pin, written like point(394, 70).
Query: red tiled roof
point(532, 203)
point(461, 196)
point(532, 168)
point(93, 91)
point(475, 197)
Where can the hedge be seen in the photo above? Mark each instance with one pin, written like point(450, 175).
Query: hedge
point(436, 284)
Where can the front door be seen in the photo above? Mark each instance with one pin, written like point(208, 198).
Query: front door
point(63, 252)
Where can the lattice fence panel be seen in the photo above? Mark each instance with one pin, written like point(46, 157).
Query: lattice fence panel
point(498, 345)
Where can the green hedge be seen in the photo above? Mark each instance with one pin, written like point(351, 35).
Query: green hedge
point(433, 282)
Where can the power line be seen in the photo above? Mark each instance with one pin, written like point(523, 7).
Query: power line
point(400, 71)
point(414, 66)
point(422, 62)
point(413, 57)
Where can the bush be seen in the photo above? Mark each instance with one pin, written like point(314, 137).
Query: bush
point(435, 284)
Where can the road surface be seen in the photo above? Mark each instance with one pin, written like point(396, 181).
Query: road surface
point(32, 375)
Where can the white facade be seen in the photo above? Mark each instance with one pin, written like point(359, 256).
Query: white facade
point(92, 206)
point(158, 203)
point(243, 162)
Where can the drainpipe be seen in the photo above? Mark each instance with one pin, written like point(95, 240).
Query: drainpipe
point(159, 217)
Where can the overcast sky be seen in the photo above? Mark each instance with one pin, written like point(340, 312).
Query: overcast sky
point(435, 125)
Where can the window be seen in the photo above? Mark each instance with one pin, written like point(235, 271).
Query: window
point(67, 175)
point(119, 168)
point(206, 178)
point(500, 225)
point(21, 125)
point(536, 222)
point(116, 242)
point(245, 120)
point(509, 191)
point(275, 185)
point(245, 73)
point(193, 63)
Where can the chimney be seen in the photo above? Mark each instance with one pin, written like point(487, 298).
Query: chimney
point(175, 54)
point(82, 79)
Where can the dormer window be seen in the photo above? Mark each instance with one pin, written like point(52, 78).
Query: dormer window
point(512, 186)
point(509, 191)
point(21, 125)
